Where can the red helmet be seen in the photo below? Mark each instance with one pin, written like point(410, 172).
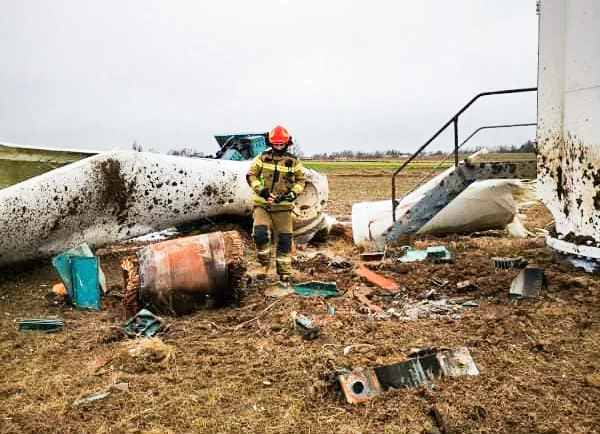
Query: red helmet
point(279, 135)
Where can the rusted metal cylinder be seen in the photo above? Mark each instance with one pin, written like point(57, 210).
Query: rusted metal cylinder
point(178, 276)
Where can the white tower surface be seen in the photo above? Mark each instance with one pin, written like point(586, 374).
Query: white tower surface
point(568, 128)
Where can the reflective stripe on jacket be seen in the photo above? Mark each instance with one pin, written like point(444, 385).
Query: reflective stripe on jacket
point(279, 173)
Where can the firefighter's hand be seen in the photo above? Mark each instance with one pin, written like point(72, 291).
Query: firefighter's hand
point(289, 196)
point(272, 198)
point(264, 193)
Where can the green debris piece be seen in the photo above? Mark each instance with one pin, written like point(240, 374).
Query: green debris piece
point(331, 309)
point(143, 324)
point(317, 289)
point(438, 254)
point(306, 327)
point(90, 398)
point(41, 325)
point(434, 254)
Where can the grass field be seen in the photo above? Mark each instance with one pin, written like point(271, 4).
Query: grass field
point(19, 166)
point(331, 166)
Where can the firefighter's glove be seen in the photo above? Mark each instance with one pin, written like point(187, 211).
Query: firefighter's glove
point(288, 197)
point(264, 193)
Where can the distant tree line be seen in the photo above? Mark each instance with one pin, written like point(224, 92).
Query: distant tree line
point(358, 155)
point(527, 147)
point(139, 148)
point(186, 152)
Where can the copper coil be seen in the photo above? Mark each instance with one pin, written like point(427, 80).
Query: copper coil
point(131, 277)
point(234, 245)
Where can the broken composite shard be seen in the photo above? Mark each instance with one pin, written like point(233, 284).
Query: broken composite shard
point(467, 198)
point(422, 367)
point(118, 195)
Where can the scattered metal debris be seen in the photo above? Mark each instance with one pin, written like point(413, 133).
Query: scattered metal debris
point(90, 398)
point(377, 279)
point(410, 310)
point(586, 264)
point(428, 295)
point(317, 289)
point(360, 385)
point(340, 263)
point(466, 286)
point(86, 286)
point(420, 368)
point(438, 254)
point(409, 373)
point(349, 348)
point(439, 282)
point(449, 362)
point(45, 325)
point(331, 309)
point(63, 266)
point(508, 263)
point(305, 326)
point(82, 276)
point(143, 324)
point(435, 254)
point(371, 256)
point(528, 283)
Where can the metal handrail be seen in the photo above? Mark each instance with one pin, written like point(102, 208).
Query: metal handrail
point(453, 120)
point(433, 169)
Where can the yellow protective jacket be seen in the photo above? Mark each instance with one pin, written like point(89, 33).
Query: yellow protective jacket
point(280, 173)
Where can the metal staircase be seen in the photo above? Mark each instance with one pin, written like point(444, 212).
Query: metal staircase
point(441, 190)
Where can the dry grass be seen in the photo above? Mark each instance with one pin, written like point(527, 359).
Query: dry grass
point(533, 355)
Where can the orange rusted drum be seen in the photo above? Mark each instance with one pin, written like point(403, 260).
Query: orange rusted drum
point(177, 276)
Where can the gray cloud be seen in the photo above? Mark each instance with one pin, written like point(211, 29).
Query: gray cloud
point(338, 74)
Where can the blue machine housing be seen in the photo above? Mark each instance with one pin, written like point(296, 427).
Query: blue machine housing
point(241, 147)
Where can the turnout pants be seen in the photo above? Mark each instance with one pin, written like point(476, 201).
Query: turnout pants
point(270, 224)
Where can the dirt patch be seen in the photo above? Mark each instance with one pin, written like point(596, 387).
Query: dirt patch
point(117, 189)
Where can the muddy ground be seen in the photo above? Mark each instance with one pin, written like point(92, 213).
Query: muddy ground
point(539, 360)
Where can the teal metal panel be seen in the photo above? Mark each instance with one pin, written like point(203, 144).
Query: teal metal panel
point(62, 265)
point(46, 325)
point(232, 154)
point(144, 324)
point(312, 289)
point(257, 145)
point(86, 287)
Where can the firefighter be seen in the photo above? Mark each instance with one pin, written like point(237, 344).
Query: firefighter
point(277, 179)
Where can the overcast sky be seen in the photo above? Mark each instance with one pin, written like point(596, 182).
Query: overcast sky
point(339, 74)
